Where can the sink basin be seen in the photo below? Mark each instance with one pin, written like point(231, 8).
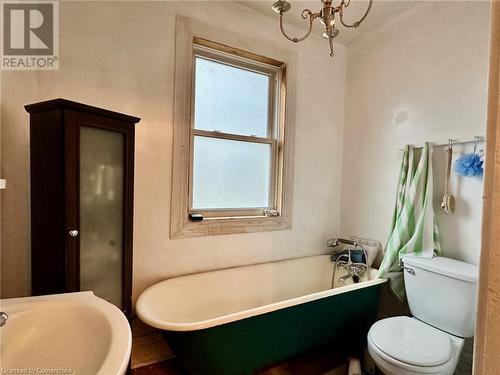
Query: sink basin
point(74, 333)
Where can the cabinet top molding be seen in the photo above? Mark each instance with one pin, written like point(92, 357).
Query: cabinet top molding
point(64, 103)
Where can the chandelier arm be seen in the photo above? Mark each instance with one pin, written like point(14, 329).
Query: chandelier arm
point(345, 4)
point(305, 14)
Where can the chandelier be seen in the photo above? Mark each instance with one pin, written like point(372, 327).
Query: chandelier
point(326, 15)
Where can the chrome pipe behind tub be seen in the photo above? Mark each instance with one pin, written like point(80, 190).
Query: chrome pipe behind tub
point(334, 242)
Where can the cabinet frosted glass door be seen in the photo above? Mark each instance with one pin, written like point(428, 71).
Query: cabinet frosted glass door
point(101, 212)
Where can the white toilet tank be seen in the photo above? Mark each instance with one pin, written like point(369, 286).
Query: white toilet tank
point(442, 293)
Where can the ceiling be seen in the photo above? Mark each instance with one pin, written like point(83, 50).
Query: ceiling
point(381, 13)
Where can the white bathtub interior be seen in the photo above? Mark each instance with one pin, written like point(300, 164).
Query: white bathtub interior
point(212, 298)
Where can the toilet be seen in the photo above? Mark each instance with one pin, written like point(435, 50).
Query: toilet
point(441, 294)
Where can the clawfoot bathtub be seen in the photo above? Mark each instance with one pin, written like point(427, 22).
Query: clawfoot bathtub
point(234, 321)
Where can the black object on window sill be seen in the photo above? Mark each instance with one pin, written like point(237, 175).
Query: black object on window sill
point(195, 217)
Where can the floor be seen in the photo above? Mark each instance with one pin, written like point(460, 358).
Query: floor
point(319, 362)
point(148, 347)
point(169, 367)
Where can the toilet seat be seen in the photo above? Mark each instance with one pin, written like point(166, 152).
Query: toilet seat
point(411, 341)
point(401, 336)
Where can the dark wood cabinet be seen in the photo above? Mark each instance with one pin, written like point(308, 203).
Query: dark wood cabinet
point(82, 190)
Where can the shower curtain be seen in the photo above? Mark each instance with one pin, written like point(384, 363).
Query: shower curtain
point(413, 229)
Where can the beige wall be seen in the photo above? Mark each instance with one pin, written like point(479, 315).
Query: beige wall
point(120, 56)
point(421, 77)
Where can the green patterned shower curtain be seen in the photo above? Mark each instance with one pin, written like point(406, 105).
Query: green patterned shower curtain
point(413, 229)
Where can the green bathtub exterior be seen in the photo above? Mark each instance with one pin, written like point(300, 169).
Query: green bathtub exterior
point(241, 347)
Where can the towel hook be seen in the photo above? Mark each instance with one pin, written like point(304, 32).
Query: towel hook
point(450, 144)
point(476, 141)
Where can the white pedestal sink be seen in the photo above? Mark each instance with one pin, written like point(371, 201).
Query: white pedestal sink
point(74, 333)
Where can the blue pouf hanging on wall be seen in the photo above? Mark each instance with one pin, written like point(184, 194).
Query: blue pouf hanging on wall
point(471, 164)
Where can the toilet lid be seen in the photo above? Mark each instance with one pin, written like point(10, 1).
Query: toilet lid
point(411, 341)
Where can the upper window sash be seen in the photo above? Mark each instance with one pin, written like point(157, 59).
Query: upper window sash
point(273, 72)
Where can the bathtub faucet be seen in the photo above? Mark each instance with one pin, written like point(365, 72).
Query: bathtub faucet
point(352, 260)
point(354, 273)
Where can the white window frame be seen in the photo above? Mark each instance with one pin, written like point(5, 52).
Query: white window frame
point(226, 221)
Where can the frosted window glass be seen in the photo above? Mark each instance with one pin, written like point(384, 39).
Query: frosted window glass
point(101, 212)
point(230, 174)
point(230, 100)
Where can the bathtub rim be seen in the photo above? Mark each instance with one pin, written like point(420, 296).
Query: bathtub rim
point(142, 310)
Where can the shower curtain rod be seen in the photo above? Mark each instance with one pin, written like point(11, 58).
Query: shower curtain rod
point(454, 141)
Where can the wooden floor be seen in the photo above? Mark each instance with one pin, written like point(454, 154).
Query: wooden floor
point(170, 367)
point(318, 362)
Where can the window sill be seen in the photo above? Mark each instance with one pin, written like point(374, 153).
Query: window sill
point(236, 225)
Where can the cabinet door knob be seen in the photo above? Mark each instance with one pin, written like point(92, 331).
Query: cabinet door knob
point(73, 233)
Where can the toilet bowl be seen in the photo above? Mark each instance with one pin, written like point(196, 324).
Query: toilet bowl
point(441, 295)
point(407, 346)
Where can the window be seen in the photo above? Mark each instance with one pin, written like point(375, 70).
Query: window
point(231, 140)
point(234, 135)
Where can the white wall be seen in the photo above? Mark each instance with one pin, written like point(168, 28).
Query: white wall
point(121, 56)
point(422, 77)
